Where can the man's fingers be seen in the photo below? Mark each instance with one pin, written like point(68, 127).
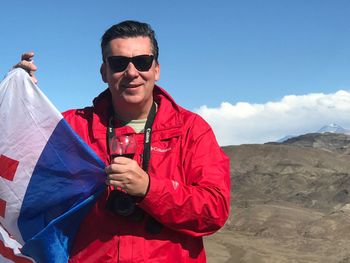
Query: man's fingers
point(29, 67)
point(26, 65)
point(115, 177)
point(27, 56)
point(116, 181)
point(121, 160)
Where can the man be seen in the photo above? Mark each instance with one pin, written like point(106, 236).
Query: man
point(176, 188)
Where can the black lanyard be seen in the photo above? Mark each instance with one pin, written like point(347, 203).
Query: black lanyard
point(147, 135)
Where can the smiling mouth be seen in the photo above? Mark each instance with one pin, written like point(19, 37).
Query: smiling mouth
point(131, 86)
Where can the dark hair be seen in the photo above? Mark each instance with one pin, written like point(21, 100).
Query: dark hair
point(128, 29)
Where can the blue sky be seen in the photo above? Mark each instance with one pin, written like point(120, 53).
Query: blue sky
point(253, 51)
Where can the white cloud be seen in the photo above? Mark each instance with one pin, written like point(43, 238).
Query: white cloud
point(292, 115)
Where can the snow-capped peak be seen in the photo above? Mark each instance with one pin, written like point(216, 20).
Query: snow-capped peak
point(333, 128)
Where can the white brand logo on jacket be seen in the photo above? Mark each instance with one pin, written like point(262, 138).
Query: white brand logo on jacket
point(175, 184)
point(157, 149)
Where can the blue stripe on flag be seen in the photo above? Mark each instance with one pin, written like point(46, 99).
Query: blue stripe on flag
point(66, 182)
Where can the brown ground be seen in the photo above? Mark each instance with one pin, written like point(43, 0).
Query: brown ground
point(290, 203)
point(292, 235)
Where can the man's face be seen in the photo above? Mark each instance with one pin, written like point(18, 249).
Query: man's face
point(131, 87)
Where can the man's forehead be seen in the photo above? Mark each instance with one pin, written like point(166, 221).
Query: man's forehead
point(130, 46)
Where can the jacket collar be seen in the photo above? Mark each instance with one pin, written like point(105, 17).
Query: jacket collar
point(168, 113)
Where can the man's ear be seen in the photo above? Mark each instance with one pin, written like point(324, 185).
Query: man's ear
point(103, 71)
point(157, 72)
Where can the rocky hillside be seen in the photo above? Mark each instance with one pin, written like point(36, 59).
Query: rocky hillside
point(334, 142)
point(290, 202)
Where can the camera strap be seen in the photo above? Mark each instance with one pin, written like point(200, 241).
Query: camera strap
point(152, 225)
point(147, 135)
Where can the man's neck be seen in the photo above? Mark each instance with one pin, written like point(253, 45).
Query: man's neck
point(128, 112)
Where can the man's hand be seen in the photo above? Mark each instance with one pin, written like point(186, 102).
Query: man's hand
point(128, 175)
point(27, 64)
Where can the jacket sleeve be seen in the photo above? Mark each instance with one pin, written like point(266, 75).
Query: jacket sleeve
point(199, 205)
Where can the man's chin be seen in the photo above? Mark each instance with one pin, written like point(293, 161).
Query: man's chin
point(132, 98)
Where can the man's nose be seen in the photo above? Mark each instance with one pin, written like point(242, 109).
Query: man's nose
point(131, 71)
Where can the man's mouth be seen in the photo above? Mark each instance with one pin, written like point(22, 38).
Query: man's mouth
point(131, 86)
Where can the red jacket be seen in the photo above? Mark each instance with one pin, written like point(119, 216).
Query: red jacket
point(189, 189)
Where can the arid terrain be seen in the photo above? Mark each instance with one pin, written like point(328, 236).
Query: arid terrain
point(290, 202)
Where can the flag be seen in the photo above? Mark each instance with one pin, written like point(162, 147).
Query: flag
point(49, 178)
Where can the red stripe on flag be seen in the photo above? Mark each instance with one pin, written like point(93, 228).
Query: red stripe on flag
point(2, 207)
point(8, 253)
point(8, 167)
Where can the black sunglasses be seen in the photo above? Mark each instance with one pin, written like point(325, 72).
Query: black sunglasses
point(120, 63)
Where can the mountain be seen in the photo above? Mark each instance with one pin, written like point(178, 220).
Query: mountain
point(290, 202)
point(334, 142)
point(333, 128)
point(285, 138)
